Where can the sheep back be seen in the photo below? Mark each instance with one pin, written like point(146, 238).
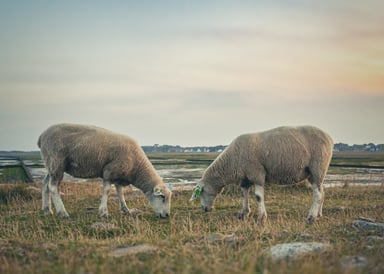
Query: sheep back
point(282, 155)
point(85, 151)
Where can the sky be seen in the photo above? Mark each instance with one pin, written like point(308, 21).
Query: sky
point(191, 73)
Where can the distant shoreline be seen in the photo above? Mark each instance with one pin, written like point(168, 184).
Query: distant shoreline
point(156, 148)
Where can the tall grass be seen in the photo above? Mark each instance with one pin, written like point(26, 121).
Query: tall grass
point(31, 242)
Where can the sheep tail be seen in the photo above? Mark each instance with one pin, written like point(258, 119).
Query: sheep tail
point(39, 142)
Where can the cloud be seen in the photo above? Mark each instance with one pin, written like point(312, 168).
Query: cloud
point(192, 73)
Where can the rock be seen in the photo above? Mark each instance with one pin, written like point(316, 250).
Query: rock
point(34, 189)
point(374, 238)
point(368, 224)
point(370, 220)
point(306, 236)
point(284, 232)
point(222, 238)
point(135, 211)
point(89, 210)
point(131, 211)
point(354, 262)
point(296, 250)
point(49, 246)
point(133, 250)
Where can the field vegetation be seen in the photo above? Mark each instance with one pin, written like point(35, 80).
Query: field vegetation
point(31, 242)
point(190, 241)
point(12, 174)
point(358, 159)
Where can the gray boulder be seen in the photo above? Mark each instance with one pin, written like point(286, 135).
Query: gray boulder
point(368, 224)
point(296, 250)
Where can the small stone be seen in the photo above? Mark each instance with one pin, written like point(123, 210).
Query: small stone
point(306, 236)
point(49, 245)
point(370, 220)
point(222, 238)
point(375, 238)
point(216, 237)
point(100, 226)
point(354, 262)
point(34, 189)
point(90, 209)
point(135, 211)
point(368, 224)
point(132, 250)
point(296, 250)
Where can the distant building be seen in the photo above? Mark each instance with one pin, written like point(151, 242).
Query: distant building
point(170, 148)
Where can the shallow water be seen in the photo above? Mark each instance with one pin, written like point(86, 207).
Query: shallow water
point(178, 172)
point(5, 163)
point(355, 176)
point(187, 175)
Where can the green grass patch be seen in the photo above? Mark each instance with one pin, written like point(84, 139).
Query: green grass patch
point(366, 159)
point(12, 174)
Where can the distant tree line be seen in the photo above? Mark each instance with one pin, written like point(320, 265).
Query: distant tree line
point(219, 148)
point(337, 147)
point(364, 147)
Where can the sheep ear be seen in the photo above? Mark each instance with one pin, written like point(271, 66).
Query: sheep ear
point(157, 191)
point(197, 191)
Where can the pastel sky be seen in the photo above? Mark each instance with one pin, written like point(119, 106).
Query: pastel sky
point(191, 72)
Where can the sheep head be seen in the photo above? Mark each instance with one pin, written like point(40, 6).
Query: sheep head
point(160, 200)
point(206, 194)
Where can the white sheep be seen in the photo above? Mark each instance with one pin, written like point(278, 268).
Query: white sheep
point(92, 152)
point(283, 155)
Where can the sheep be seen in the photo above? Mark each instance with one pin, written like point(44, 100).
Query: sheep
point(85, 151)
point(282, 155)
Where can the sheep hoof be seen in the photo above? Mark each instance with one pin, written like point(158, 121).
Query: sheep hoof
point(242, 215)
point(310, 220)
point(262, 219)
point(125, 210)
point(47, 211)
point(63, 214)
point(104, 214)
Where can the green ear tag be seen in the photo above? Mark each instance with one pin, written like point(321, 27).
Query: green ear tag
point(197, 192)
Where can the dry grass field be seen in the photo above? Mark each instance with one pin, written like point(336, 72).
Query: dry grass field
point(31, 242)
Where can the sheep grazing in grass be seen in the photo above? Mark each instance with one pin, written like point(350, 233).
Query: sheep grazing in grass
point(283, 155)
point(91, 152)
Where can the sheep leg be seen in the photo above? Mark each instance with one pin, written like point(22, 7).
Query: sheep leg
point(123, 205)
point(56, 199)
point(320, 213)
point(103, 208)
point(316, 208)
point(262, 213)
point(46, 196)
point(245, 211)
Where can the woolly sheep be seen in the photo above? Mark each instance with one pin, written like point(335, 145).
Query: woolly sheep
point(283, 155)
point(90, 152)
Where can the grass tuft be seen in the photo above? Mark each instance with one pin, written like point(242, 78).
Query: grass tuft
point(15, 193)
